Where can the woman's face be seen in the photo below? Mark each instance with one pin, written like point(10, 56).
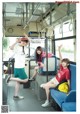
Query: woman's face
point(64, 64)
point(38, 52)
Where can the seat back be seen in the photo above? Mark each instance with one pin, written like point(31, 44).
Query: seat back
point(73, 76)
point(52, 66)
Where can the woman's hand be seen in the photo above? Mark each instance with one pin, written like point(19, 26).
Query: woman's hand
point(59, 47)
point(60, 55)
point(18, 40)
point(25, 35)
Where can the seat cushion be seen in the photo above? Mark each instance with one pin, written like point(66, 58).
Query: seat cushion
point(69, 106)
point(58, 96)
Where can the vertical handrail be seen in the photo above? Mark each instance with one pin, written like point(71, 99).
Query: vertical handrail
point(46, 47)
point(29, 61)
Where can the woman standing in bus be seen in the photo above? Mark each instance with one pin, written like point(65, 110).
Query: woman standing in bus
point(19, 73)
point(39, 54)
point(63, 74)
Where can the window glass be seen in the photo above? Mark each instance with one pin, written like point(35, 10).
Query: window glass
point(67, 29)
point(6, 51)
point(67, 50)
point(58, 31)
point(49, 45)
point(35, 43)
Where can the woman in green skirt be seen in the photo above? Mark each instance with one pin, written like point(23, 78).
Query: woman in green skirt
point(19, 72)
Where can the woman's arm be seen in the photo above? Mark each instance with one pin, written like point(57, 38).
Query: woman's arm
point(60, 56)
point(44, 54)
point(26, 37)
point(69, 84)
point(13, 45)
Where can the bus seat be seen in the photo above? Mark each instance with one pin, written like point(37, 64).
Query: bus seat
point(52, 66)
point(61, 97)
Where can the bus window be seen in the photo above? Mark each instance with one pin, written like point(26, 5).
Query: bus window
point(68, 50)
point(35, 43)
point(58, 31)
point(64, 29)
point(67, 29)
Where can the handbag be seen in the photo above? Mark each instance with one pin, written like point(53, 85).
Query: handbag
point(63, 87)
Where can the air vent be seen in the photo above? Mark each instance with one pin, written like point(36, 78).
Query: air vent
point(19, 25)
point(33, 34)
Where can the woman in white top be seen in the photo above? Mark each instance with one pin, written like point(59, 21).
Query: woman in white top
point(19, 72)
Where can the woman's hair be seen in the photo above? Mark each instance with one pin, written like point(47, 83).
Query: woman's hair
point(39, 56)
point(66, 60)
point(24, 40)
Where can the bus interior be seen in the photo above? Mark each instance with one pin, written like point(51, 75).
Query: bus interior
point(47, 24)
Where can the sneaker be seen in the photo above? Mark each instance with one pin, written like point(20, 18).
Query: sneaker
point(32, 79)
point(8, 79)
point(18, 97)
point(45, 104)
point(42, 85)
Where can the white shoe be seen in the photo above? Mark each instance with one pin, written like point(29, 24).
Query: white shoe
point(31, 79)
point(42, 85)
point(45, 104)
point(18, 97)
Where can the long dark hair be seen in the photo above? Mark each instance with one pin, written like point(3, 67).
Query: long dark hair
point(39, 56)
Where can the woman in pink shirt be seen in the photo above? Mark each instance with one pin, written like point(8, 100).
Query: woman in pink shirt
point(63, 74)
point(40, 54)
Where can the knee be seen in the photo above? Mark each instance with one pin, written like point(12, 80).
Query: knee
point(26, 80)
point(46, 86)
point(36, 68)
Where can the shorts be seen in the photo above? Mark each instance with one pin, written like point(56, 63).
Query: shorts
point(54, 80)
point(20, 73)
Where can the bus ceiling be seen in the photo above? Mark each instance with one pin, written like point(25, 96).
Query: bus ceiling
point(35, 16)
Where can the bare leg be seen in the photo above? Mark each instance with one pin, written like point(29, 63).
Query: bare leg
point(17, 85)
point(41, 65)
point(35, 72)
point(36, 68)
point(19, 80)
point(47, 86)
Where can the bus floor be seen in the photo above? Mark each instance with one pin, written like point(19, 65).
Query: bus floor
point(29, 103)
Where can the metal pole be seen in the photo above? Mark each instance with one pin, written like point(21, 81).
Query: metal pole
point(33, 13)
point(68, 9)
point(29, 61)
point(46, 46)
point(4, 16)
